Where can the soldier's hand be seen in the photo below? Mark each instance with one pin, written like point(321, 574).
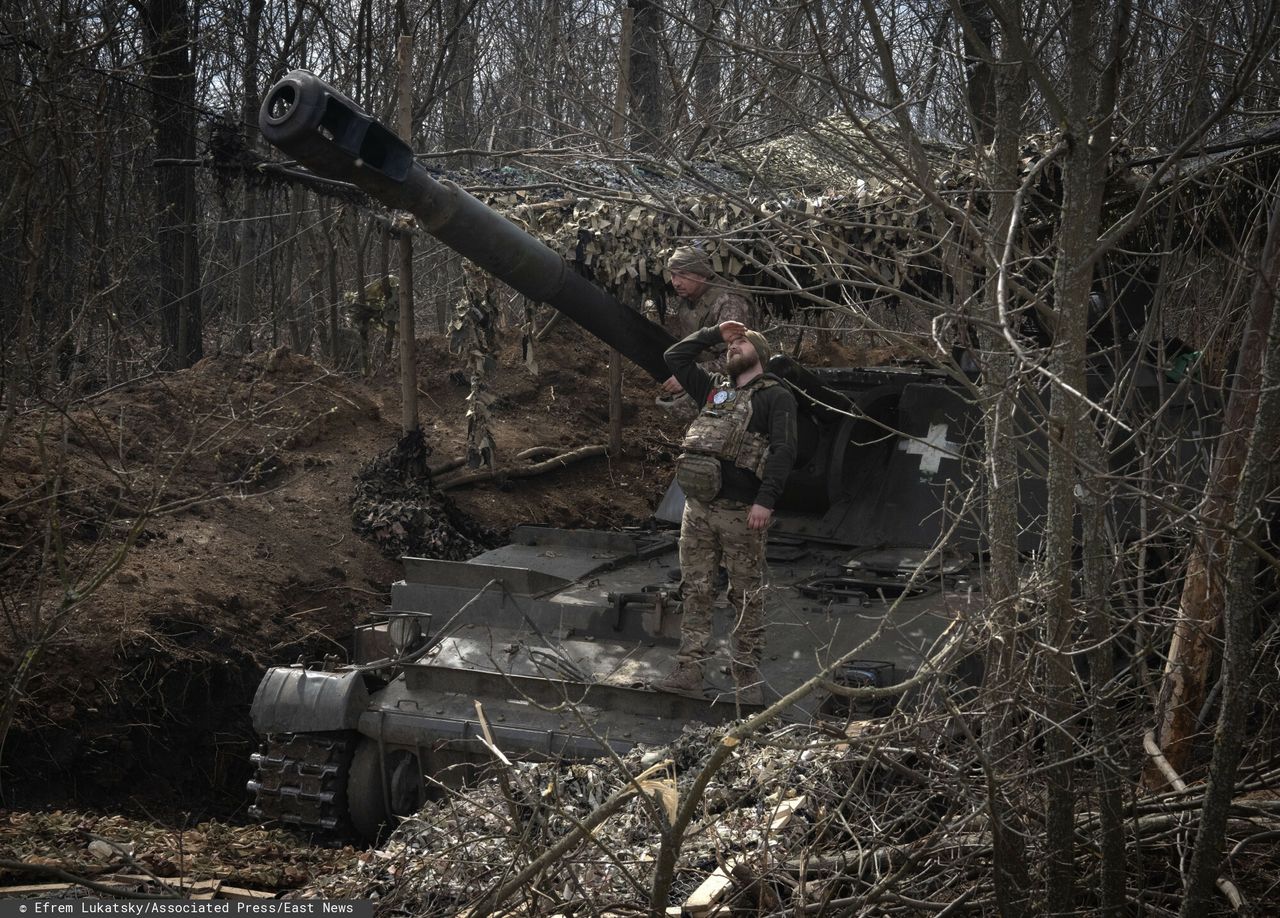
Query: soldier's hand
point(758, 517)
point(672, 386)
point(731, 329)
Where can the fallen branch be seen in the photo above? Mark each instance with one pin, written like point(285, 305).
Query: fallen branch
point(68, 877)
point(449, 465)
point(549, 465)
point(537, 453)
point(1153, 749)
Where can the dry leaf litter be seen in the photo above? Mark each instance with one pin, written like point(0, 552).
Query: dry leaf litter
point(774, 799)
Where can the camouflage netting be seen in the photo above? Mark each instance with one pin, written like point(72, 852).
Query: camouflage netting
point(397, 506)
point(827, 213)
point(822, 218)
point(472, 336)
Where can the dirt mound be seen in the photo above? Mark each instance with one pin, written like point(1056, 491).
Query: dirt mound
point(162, 542)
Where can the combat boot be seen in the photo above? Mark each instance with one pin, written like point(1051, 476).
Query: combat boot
point(748, 685)
point(685, 679)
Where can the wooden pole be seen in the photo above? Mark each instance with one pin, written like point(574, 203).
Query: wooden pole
point(620, 101)
point(408, 357)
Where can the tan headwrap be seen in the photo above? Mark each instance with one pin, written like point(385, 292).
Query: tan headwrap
point(688, 259)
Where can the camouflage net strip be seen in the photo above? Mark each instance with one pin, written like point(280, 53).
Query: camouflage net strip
point(397, 506)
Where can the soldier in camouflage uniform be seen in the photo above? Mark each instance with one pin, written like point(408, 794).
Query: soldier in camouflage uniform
point(737, 454)
point(710, 301)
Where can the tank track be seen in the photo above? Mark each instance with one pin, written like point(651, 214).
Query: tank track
point(301, 780)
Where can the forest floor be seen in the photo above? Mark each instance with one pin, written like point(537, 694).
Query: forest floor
point(230, 485)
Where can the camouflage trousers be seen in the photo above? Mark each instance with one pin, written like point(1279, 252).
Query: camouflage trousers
point(712, 534)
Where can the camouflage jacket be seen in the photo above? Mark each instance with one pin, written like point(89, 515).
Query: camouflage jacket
point(715, 305)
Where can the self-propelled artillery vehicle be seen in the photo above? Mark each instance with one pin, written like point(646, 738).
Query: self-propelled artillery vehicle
point(549, 646)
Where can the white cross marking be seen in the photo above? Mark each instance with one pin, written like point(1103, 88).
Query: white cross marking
point(932, 449)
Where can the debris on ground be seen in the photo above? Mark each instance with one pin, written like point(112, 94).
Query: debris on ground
point(766, 807)
point(210, 859)
point(890, 815)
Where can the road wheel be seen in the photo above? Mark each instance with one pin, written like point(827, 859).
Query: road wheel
point(366, 802)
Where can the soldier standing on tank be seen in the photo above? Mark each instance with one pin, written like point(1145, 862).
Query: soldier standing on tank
point(710, 300)
point(736, 457)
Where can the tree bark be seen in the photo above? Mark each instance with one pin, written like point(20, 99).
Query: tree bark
point(250, 231)
point(1106, 747)
point(980, 82)
point(292, 288)
point(647, 97)
point(329, 222)
point(1191, 650)
point(1083, 176)
point(171, 79)
point(407, 332)
point(358, 247)
point(460, 78)
point(1240, 600)
point(706, 73)
point(619, 136)
point(1002, 680)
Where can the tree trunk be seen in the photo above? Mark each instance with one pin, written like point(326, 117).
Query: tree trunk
point(460, 78)
point(360, 307)
point(292, 288)
point(1106, 748)
point(647, 96)
point(980, 82)
point(618, 135)
point(250, 231)
point(706, 73)
point(171, 80)
point(329, 222)
point(384, 287)
point(407, 332)
point(1203, 593)
point(1083, 176)
point(1003, 681)
point(1241, 569)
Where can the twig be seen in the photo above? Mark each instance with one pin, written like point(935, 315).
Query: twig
point(130, 860)
point(546, 329)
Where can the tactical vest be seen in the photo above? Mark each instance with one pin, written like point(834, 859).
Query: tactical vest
point(719, 432)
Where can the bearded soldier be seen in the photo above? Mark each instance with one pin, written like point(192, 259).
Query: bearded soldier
point(736, 457)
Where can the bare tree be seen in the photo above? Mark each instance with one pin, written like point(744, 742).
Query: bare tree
point(172, 81)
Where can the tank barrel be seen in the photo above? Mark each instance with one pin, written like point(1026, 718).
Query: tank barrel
point(330, 135)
